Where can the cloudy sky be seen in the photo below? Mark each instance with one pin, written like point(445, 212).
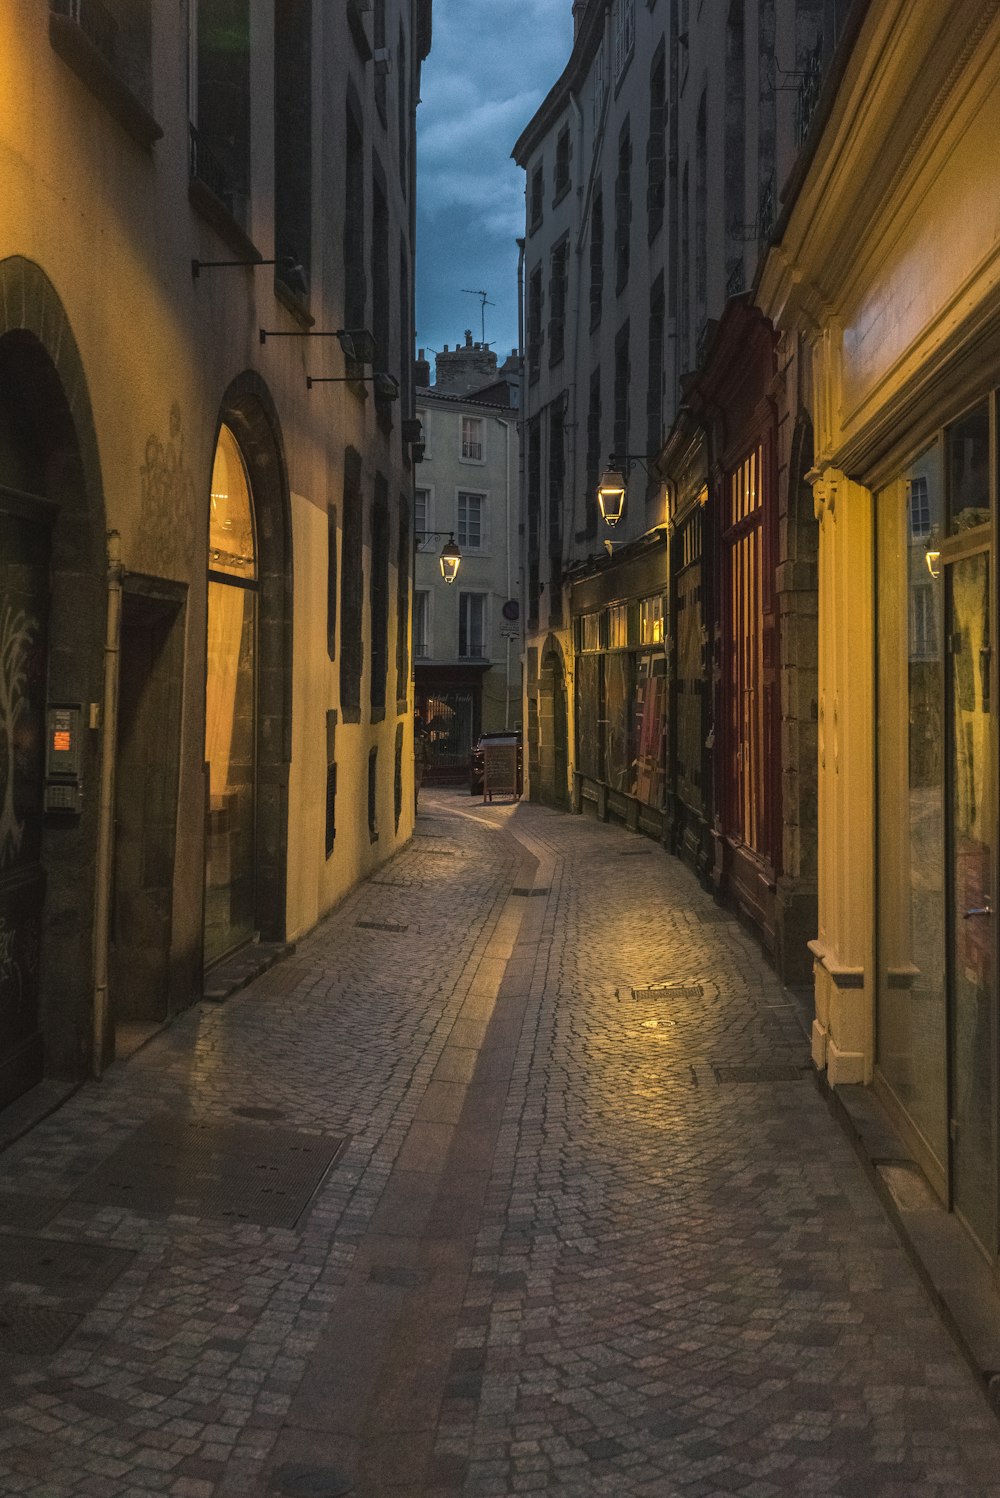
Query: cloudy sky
point(491, 64)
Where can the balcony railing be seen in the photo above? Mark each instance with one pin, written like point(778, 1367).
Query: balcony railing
point(809, 92)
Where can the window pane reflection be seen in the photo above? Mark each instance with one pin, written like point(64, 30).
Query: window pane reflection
point(230, 732)
point(969, 470)
point(229, 750)
point(911, 979)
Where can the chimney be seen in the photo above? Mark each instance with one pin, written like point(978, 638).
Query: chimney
point(468, 337)
point(421, 370)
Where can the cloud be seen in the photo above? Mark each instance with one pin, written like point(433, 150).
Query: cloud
point(491, 64)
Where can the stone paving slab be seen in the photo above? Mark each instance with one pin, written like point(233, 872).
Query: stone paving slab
point(577, 1243)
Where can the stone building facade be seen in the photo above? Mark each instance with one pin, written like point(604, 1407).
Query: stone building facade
point(205, 566)
point(681, 700)
point(466, 636)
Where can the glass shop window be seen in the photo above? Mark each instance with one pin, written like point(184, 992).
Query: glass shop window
point(968, 459)
point(589, 631)
point(911, 1012)
point(652, 612)
point(618, 626)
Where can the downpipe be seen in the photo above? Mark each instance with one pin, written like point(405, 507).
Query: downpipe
point(105, 810)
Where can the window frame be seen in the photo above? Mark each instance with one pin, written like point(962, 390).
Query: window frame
point(467, 546)
point(463, 456)
point(483, 598)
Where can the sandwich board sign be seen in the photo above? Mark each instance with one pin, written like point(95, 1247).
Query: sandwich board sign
point(500, 767)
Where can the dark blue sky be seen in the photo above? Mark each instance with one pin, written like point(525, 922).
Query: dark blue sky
point(491, 64)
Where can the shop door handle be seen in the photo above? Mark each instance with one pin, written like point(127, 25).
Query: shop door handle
point(986, 909)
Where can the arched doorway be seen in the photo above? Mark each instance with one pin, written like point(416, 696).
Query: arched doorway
point(52, 605)
point(230, 705)
point(248, 676)
point(553, 737)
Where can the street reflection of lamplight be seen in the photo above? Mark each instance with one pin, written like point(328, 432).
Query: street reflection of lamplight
point(451, 559)
point(611, 496)
point(933, 560)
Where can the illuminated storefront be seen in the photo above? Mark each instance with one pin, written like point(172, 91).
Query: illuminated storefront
point(619, 615)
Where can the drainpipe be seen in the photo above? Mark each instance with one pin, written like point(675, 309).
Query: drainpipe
point(105, 814)
point(506, 480)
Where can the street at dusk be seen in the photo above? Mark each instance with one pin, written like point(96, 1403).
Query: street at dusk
point(499, 843)
point(591, 1227)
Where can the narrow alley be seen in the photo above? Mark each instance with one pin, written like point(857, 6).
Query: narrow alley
point(513, 1178)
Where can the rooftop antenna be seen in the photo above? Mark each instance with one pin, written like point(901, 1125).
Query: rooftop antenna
point(484, 302)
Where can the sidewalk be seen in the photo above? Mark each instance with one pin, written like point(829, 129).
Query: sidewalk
point(512, 1178)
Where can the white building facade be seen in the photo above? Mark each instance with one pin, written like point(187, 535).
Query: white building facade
point(466, 635)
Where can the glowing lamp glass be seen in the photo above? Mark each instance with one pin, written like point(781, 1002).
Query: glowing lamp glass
point(611, 496)
point(451, 559)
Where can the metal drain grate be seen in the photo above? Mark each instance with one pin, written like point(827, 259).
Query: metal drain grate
point(527, 891)
point(381, 926)
point(74, 1272)
point(775, 1072)
point(634, 852)
point(34, 1331)
point(669, 991)
point(209, 1168)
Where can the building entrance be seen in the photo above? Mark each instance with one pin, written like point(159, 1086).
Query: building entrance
point(24, 594)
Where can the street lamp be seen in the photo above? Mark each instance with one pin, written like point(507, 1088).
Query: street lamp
point(451, 557)
point(614, 482)
point(611, 496)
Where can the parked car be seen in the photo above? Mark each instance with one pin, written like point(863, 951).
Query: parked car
point(477, 758)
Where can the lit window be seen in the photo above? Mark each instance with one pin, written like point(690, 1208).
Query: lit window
point(472, 439)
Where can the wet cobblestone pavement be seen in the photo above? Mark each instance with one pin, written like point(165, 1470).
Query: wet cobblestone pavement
point(590, 1227)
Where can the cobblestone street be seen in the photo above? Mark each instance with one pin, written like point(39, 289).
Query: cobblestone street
point(590, 1227)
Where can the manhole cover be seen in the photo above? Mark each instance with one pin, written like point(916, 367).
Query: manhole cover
point(209, 1168)
point(34, 1331)
point(310, 1482)
point(76, 1272)
point(381, 926)
point(669, 991)
point(771, 1073)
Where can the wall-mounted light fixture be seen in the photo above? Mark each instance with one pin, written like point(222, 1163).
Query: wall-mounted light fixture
point(386, 385)
point(290, 267)
point(933, 560)
point(451, 556)
point(357, 343)
point(614, 484)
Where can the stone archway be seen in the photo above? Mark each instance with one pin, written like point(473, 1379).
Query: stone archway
point(553, 726)
point(248, 412)
point(52, 576)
